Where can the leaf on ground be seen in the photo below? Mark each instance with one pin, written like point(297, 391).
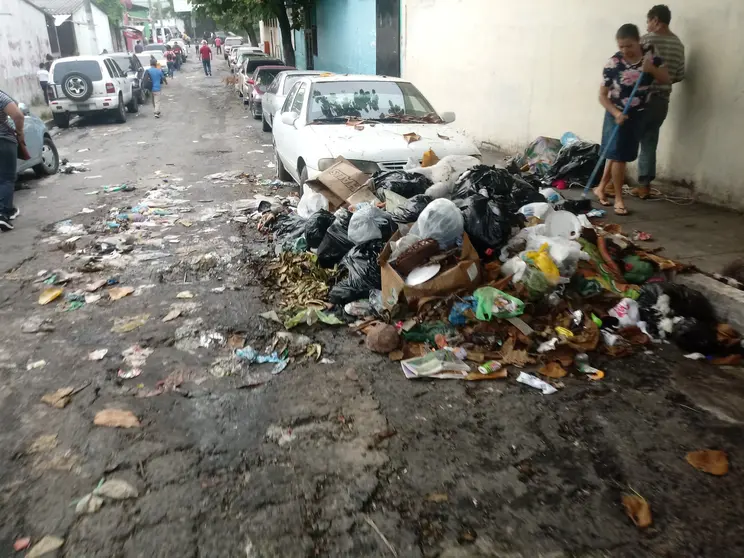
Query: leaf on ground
point(119, 292)
point(437, 497)
point(714, 462)
point(271, 315)
point(48, 295)
point(411, 137)
point(125, 325)
point(396, 355)
point(116, 489)
point(95, 285)
point(172, 315)
point(116, 418)
point(185, 294)
point(638, 510)
point(553, 370)
point(510, 355)
point(58, 399)
point(45, 546)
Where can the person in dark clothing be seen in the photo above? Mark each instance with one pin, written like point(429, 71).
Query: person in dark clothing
point(11, 132)
point(138, 47)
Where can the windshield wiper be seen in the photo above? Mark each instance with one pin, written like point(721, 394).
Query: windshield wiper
point(330, 120)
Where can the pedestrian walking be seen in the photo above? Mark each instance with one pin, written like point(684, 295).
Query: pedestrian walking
point(672, 51)
point(170, 57)
point(218, 45)
point(43, 75)
point(178, 53)
point(206, 58)
point(620, 75)
point(156, 80)
point(11, 134)
point(138, 47)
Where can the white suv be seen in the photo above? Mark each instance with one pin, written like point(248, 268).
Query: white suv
point(88, 84)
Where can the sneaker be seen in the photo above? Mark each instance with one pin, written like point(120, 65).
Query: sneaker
point(14, 213)
point(5, 224)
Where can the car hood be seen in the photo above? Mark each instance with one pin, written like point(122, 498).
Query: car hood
point(385, 142)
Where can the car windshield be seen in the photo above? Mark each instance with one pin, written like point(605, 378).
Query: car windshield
point(395, 101)
point(232, 41)
point(144, 58)
point(161, 48)
point(89, 68)
point(265, 77)
point(291, 80)
point(123, 62)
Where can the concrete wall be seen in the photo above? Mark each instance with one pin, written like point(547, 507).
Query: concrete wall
point(300, 54)
point(103, 32)
point(346, 36)
point(525, 69)
point(25, 44)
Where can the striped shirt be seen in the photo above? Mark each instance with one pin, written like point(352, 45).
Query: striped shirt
point(7, 126)
point(672, 51)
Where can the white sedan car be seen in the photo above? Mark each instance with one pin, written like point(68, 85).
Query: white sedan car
point(277, 92)
point(369, 120)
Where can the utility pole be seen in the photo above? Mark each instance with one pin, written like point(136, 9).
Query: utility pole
point(149, 18)
point(91, 26)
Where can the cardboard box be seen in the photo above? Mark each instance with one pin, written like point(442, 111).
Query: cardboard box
point(343, 183)
point(465, 275)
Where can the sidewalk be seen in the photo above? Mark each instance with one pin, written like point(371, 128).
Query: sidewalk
point(705, 236)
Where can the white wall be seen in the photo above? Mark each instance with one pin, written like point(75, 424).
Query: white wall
point(25, 44)
point(517, 70)
point(83, 36)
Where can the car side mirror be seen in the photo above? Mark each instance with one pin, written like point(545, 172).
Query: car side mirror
point(24, 108)
point(448, 117)
point(289, 118)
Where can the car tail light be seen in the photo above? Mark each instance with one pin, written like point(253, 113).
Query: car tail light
point(50, 92)
point(110, 88)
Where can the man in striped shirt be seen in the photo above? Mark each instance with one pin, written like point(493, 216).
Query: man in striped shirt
point(671, 50)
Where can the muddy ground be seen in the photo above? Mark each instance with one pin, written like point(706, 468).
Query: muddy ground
point(323, 459)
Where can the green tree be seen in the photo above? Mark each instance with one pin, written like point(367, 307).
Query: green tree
point(244, 13)
point(112, 8)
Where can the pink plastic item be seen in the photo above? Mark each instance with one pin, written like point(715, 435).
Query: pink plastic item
point(560, 184)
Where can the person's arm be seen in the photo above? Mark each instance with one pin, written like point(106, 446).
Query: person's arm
point(604, 100)
point(680, 73)
point(12, 110)
point(654, 66)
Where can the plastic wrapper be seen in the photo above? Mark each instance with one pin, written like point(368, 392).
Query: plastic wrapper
point(575, 163)
point(540, 155)
point(364, 273)
point(537, 209)
point(289, 226)
point(371, 223)
point(493, 303)
point(447, 170)
point(316, 227)
point(541, 260)
point(336, 242)
point(412, 209)
point(486, 225)
point(406, 184)
point(442, 221)
point(310, 202)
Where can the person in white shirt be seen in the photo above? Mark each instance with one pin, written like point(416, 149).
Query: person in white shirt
point(43, 75)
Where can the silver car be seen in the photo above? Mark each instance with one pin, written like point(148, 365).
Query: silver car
point(274, 97)
point(44, 157)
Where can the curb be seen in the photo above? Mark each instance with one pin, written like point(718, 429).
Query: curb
point(728, 302)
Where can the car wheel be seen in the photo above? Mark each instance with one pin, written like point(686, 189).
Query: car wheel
point(49, 159)
point(61, 119)
point(281, 172)
point(120, 111)
point(77, 87)
point(264, 124)
point(133, 105)
point(256, 115)
point(141, 97)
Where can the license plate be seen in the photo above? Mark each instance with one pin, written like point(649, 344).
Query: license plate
point(83, 107)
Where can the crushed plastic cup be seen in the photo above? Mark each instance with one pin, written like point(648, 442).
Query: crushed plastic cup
point(537, 383)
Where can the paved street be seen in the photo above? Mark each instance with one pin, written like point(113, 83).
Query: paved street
point(339, 459)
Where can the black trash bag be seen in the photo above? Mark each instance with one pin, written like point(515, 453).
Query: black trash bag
point(316, 227)
point(577, 207)
point(486, 223)
point(410, 211)
point(336, 242)
point(523, 192)
point(699, 317)
point(481, 179)
point(406, 184)
point(364, 273)
point(575, 163)
point(289, 226)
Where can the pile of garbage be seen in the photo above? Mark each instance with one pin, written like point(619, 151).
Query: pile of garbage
point(460, 270)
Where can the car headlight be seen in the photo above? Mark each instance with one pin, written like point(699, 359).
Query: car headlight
point(367, 167)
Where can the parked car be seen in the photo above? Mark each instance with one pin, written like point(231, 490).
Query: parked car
point(134, 70)
point(255, 86)
point(273, 98)
point(89, 84)
point(44, 157)
point(158, 55)
point(155, 46)
point(311, 130)
point(239, 54)
point(249, 66)
point(229, 43)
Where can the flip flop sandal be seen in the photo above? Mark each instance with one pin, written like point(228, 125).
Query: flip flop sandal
point(602, 200)
point(622, 211)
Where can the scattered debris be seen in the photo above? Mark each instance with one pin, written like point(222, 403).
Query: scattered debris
point(116, 489)
point(116, 418)
point(249, 354)
point(46, 545)
point(382, 338)
point(135, 358)
point(98, 354)
point(88, 504)
point(37, 324)
point(185, 294)
point(22, 544)
point(172, 315)
point(537, 383)
point(60, 398)
point(376, 529)
point(36, 364)
point(125, 325)
point(638, 510)
point(714, 462)
point(119, 292)
point(50, 294)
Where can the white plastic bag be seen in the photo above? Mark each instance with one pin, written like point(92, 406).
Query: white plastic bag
point(445, 173)
point(310, 202)
point(365, 224)
point(536, 209)
point(442, 221)
point(626, 312)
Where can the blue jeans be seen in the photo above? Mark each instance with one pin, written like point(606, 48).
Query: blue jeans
point(8, 167)
point(172, 68)
point(652, 119)
point(207, 67)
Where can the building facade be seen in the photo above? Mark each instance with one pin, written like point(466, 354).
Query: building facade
point(72, 31)
point(26, 44)
point(514, 71)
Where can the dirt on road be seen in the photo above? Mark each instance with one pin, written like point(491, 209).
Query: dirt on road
point(342, 458)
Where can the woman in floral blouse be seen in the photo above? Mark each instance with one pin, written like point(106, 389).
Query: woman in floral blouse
point(620, 75)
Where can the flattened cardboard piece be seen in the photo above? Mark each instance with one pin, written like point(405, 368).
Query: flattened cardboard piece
point(343, 183)
point(466, 274)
